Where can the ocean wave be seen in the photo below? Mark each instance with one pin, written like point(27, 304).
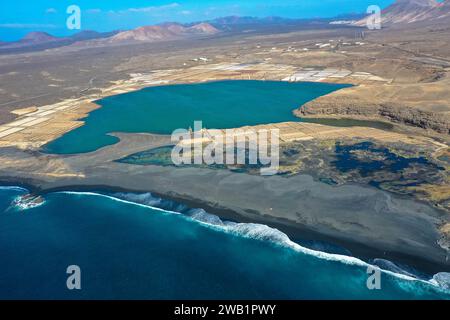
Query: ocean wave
point(442, 280)
point(116, 198)
point(205, 217)
point(13, 188)
point(390, 266)
point(149, 200)
point(23, 201)
point(265, 233)
point(26, 202)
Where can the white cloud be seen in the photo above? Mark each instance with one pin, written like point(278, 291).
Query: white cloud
point(93, 11)
point(155, 8)
point(51, 10)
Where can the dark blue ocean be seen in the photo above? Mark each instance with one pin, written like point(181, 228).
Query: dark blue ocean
point(127, 250)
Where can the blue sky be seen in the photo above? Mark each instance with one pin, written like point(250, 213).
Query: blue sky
point(22, 16)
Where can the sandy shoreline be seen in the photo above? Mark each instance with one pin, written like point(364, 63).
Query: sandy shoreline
point(367, 221)
point(295, 231)
point(426, 260)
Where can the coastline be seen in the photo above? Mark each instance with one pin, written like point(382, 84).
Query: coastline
point(352, 233)
point(363, 171)
point(365, 220)
point(297, 259)
point(296, 232)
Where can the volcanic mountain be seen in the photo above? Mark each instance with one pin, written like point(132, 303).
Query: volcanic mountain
point(39, 37)
point(166, 31)
point(407, 11)
point(411, 11)
point(35, 41)
point(203, 28)
point(438, 13)
point(90, 34)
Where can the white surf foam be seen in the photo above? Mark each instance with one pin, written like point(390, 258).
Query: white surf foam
point(263, 233)
point(23, 205)
point(442, 280)
point(13, 188)
point(93, 194)
point(20, 203)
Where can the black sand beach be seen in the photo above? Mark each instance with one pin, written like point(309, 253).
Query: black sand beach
point(367, 221)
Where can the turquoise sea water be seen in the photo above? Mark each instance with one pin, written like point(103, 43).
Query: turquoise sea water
point(127, 250)
point(224, 104)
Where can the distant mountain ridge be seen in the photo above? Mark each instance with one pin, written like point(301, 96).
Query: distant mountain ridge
point(35, 41)
point(160, 32)
point(41, 40)
point(39, 37)
point(235, 20)
point(399, 13)
point(166, 31)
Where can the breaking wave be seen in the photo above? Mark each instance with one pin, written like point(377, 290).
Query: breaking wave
point(264, 233)
point(13, 188)
point(22, 206)
point(26, 202)
point(405, 270)
point(442, 280)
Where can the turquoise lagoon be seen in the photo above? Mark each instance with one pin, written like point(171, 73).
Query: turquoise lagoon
point(163, 109)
